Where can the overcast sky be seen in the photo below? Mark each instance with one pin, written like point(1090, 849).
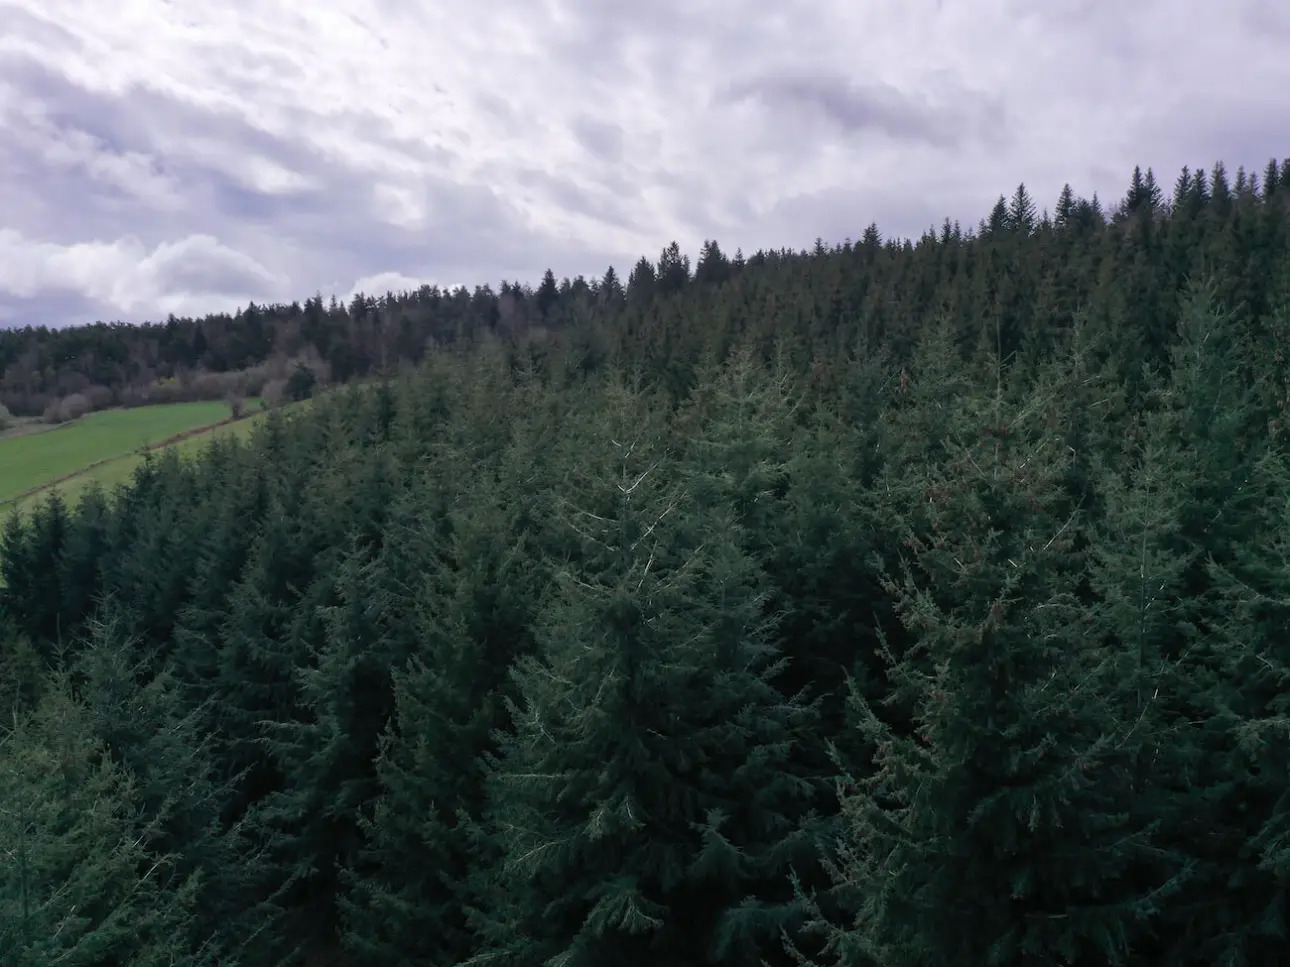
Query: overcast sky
point(186, 156)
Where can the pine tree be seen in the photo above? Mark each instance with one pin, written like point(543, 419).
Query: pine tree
point(140, 716)
point(1198, 487)
point(1252, 898)
point(611, 293)
point(673, 269)
point(81, 556)
point(1065, 210)
point(548, 294)
point(1022, 213)
point(1140, 612)
point(324, 754)
point(236, 504)
point(988, 824)
point(713, 267)
point(1271, 178)
point(642, 283)
point(644, 804)
point(22, 672)
point(78, 884)
point(30, 588)
point(451, 602)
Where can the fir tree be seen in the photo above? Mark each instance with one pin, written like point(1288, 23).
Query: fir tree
point(78, 884)
point(1022, 213)
point(673, 269)
point(1249, 921)
point(1197, 494)
point(141, 718)
point(30, 587)
point(643, 804)
point(548, 294)
point(989, 824)
point(451, 605)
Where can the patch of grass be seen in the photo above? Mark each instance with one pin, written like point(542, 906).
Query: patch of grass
point(32, 461)
point(114, 472)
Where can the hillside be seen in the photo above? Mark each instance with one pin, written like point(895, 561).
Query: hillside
point(32, 460)
point(183, 359)
point(891, 604)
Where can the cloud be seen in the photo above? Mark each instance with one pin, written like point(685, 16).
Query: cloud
point(855, 108)
point(382, 282)
point(196, 274)
point(169, 153)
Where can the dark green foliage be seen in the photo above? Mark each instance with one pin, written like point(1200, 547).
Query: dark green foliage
point(1254, 878)
point(21, 672)
point(466, 603)
point(1003, 751)
point(643, 806)
point(179, 797)
point(79, 884)
point(1197, 486)
point(30, 589)
point(896, 602)
point(301, 383)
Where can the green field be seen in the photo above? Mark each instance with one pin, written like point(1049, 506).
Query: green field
point(104, 448)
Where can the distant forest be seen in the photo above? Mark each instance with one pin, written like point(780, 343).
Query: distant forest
point(895, 604)
point(1230, 227)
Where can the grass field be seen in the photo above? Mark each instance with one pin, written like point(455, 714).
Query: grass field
point(104, 448)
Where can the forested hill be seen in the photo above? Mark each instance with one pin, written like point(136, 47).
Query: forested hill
point(1208, 221)
point(890, 606)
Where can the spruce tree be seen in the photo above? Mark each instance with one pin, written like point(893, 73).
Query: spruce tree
point(451, 603)
point(1198, 482)
point(81, 557)
point(988, 823)
point(1252, 890)
point(78, 884)
point(22, 671)
point(30, 587)
point(146, 725)
point(644, 804)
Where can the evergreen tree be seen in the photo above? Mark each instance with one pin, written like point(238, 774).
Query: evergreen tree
point(1196, 487)
point(450, 607)
point(713, 267)
point(22, 673)
point(30, 587)
point(612, 294)
point(1022, 213)
point(1252, 898)
point(547, 294)
point(301, 383)
point(987, 824)
point(642, 282)
point(82, 554)
point(140, 717)
point(1065, 207)
point(78, 884)
point(673, 270)
point(643, 805)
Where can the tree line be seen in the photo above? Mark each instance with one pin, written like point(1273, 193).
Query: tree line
point(891, 604)
point(1208, 216)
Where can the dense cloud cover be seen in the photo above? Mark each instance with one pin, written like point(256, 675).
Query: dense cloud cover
point(176, 156)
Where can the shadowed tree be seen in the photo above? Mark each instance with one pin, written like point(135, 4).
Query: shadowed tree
point(78, 884)
point(643, 805)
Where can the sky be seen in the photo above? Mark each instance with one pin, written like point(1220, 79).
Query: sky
point(184, 156)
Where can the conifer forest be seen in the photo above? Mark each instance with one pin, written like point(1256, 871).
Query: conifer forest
point(899, 603)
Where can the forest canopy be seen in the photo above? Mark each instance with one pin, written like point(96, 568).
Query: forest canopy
point(895, 603)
